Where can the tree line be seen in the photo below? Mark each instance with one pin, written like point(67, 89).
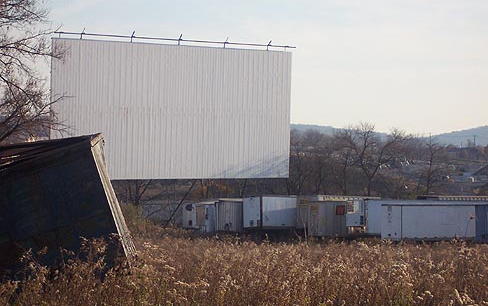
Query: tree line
point(353, 161)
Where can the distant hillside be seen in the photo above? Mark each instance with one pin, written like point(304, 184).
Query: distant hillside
point(456, 138)
point(324, 129)
point(463, 137)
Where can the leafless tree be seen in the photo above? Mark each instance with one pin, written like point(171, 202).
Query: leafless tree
point(132, 191)
point(342, 167)
point(434, 171)
point(211, 188)
point(319, 172)
point(242, 187)
point(25, 103)
point(432, 150)
point(319, 148)
point(370, 152)
point(299, 170)
point(483, 190)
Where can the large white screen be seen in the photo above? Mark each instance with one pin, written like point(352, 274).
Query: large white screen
point(170, 111)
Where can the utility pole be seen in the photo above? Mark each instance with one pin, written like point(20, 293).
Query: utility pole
point(474, 140)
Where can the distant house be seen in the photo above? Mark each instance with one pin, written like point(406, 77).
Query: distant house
point(481, 175)
point(482, 171)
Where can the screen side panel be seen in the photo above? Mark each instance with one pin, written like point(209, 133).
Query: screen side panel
point(172, 112)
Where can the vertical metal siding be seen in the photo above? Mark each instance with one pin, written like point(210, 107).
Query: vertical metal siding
point(279, 212)
point(206, 216)
point(430, 219)
point(177, 112)
point(189, 216)
point(323, 220)
point(432, 222)
point(229, 215)
point(209, 219)
point(271, 212)
point(373, 214)
point(251, 214)
point(391, 223)
point(482, 223)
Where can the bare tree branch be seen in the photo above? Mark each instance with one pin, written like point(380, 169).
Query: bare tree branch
point(25, 103)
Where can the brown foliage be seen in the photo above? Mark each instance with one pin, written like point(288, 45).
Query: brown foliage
point(174, 268)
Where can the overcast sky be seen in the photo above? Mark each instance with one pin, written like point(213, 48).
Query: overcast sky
point(419, 65)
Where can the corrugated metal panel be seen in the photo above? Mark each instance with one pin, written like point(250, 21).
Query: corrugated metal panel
point(327, 218)
point(429, 219)
point(391, 222)
point(178, 111)
point(200, 212)
point(482, 223)
point(189, 216)
point(252, 212)
point(206, 217)
point(428, 222)
point(279, 212)
point(374, 211)
point(374, 215)
point(355, 220)
point(270, 212)
point(229, 215)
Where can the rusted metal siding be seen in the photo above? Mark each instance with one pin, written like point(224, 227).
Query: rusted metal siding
point(206, 216)
point(229, 215)
point(54, 192)
point(327, 218)
point(178, 112)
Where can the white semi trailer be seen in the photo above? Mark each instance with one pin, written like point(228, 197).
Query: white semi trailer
point(270, 212)
point(434, 220)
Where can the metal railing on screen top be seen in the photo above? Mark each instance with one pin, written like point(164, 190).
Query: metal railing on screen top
point(178, 40)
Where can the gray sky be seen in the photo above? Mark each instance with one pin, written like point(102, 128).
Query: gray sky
point(419, 65)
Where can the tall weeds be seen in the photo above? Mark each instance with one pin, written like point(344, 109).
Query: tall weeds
point(174, 267)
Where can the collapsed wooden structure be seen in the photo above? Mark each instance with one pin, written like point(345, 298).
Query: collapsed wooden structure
point(52, 193)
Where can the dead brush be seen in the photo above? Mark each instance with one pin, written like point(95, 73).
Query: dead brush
point(181, 269)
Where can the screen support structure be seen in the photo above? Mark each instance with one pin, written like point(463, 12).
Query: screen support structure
point(178, 40)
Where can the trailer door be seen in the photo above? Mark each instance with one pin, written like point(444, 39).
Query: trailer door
point(391, 225)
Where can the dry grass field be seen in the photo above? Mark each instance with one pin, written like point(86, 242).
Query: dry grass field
point(173, 267)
